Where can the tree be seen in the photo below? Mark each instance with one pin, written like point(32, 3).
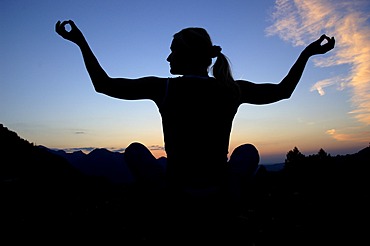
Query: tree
point(294, 156)
point(322, 155)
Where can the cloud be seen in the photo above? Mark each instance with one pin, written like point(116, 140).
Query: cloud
point(156, 147)
point(359, 136)
point(320, 85)
point(83, 149)
point(300, 22)
point(87, 150)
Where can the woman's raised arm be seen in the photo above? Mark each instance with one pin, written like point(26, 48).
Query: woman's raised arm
point(268, 93)
point(122, 88)
point(97, 74)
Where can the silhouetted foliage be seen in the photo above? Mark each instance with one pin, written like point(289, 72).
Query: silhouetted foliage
point(294, 157)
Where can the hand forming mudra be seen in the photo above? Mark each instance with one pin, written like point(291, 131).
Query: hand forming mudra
point(74, 35)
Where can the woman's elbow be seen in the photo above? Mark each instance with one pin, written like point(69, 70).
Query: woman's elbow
point(100, 84)
point(284, 92)
point(286, 95)
point(98, 88)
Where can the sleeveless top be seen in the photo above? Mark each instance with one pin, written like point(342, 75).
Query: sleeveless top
point(197, 115)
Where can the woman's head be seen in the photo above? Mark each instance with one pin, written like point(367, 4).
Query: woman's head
point(197, 41)
point(192, 51)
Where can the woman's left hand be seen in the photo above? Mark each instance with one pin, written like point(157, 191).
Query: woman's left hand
point(317, 48)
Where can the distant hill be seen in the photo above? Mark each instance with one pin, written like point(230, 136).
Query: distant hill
point(22, 160)
point(274, 167)
point(100, 163)
point(111, 165)
point(46, 199)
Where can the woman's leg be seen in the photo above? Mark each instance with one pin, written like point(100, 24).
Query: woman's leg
point(146, 169)
point(148, 200)
point(243, 164)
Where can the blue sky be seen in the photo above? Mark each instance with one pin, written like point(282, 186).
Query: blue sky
point(47, 97)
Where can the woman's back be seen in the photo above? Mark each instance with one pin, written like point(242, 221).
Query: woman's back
point(197, 116)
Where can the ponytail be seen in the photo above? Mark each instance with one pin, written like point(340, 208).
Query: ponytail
point(221, 70)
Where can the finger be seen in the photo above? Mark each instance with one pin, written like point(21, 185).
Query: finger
point(325, 36)
point(71, 22)
point(322, 37)
point(64, 23)
point(332, 42)
point(329, 45)
point(60, 28)
point(57, 26)
point(329, 39)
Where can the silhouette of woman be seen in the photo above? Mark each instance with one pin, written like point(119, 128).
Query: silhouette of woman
point(197, 110)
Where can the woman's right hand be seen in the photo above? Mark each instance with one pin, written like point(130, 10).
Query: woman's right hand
point(74, 35)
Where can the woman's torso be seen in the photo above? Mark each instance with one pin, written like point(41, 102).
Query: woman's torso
point(197, 116)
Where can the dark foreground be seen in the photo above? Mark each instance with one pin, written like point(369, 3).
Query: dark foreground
point(314, 200)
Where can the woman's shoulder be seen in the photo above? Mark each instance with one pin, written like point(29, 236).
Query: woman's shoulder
point(153, 79)
point(191, 77)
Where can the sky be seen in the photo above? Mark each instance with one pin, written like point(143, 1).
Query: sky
point(47, 98)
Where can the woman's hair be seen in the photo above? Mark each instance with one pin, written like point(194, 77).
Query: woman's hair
point(197, 41)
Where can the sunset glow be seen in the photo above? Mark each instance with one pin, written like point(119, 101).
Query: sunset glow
point(46, 95)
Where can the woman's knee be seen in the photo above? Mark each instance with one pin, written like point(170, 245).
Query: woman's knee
point(142, 163)
point(244, 160)
point(136, 146)
point(137, 152)
point(245, 153)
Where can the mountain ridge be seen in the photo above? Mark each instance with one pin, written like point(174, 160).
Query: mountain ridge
point(101, 162)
